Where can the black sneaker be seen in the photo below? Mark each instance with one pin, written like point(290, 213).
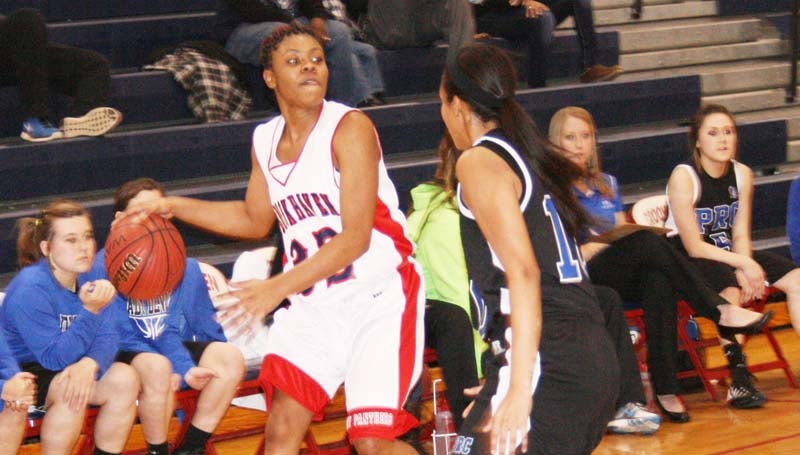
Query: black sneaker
point(745, 396)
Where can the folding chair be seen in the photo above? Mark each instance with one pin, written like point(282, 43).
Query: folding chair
point(653, 211)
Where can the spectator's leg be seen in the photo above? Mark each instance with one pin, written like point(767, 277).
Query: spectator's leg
point(156, 398)
point(115, 393)
point(62, 424)
point(81, 74)
point(27, 40)
point(459, 26)
point(244, 43)
point(581, 10)
point(367, 60)
point(512, 25)
point(449, 332)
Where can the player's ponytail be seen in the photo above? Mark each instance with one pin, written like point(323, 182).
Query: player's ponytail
point(484, 77)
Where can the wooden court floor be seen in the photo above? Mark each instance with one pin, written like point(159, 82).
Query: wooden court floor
point(715, 429)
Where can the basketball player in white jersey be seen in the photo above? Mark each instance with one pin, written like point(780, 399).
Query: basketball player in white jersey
point(356, 296)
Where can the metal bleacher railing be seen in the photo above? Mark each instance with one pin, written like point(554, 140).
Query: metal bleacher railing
point(791, 90)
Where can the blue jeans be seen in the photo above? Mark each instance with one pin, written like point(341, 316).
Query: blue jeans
point(368, 78)
point(581, 10)
point(511, 24)
point(244, 44)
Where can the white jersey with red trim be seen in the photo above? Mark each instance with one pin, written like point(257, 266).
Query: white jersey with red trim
point(305, 197)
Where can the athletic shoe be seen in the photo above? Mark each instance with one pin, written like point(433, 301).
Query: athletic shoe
point(96, 122)
point(634, 418)
point(38, 130)
point(742, 394)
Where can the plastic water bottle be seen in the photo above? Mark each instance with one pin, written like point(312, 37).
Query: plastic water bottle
point(445, 433)
point(648, 390)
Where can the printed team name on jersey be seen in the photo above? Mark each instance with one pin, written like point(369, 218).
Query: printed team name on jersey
point(150, 316)
point(65, 320)
point(720, 217)
point(463, 445)
point(370, 418)
point(297, 207)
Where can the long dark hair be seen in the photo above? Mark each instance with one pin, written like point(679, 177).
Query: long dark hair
point(491, 72)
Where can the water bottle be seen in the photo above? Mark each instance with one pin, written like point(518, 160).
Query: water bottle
point(445, 433)
point(648, 390)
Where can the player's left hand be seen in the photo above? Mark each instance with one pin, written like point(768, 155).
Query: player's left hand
point(243, 308)
point(80, 382)
point(510, 424)
point(199, 377)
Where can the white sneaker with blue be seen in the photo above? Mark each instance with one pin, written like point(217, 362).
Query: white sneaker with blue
point(634, 418)
point(38, 130)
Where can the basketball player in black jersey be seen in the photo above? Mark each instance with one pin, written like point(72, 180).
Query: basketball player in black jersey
point(711, 208)
point(555, 379)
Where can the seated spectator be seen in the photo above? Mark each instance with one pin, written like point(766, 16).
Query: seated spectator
point(369, 80)
point(399, 24)
point(182, 328)
point(644, 267)
point(245, 24)
point(17, 392)
point(533, 22)
point(793, 220)
point(29, 61)
point(59, 327)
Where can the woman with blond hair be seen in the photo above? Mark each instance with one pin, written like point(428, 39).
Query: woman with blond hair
point(644, 267)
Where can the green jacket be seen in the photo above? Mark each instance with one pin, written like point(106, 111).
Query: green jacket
point(433, 225)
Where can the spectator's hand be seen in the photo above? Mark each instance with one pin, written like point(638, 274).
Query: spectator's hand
point(95, 295)
point(79, 381)
point(754, 277)
point(246, 305)
point(199, 377)
point(471, 392)
point(19, 392)
point(534, 9)
point(318, 25)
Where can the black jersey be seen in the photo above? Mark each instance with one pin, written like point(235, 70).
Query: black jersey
point(566, 290)
point(716, 203)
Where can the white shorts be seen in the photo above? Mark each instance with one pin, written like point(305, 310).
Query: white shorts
point(373, 342)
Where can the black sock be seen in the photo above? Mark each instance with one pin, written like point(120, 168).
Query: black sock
point(158, 449)
point(98, 451)
point(195, 439)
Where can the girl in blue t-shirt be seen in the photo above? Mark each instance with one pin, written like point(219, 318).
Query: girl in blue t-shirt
point(644, 267)
point(57, 327)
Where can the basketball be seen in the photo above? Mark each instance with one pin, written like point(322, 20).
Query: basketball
point(146, 259)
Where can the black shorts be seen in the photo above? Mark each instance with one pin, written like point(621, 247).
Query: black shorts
point(195, 348)
point(43, 379)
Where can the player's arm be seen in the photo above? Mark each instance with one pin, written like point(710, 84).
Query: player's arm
point(741, 241)
point(251, 218)
point(500, 220)
point(356, 153)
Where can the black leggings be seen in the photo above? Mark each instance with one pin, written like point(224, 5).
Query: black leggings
point(449, 332)
point(30, 62)
point(645, 267)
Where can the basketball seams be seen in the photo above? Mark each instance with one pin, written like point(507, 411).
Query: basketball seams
point(163, 256)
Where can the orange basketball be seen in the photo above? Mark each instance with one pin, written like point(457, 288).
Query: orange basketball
point(145, 260)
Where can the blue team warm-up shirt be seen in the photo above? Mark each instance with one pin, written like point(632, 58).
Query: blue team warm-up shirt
point(45, 323)
point(161, 325)
point(8, 366)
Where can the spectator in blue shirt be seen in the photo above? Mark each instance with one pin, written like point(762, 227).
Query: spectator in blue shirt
point(181, 327)
point(793, 220)
point(644, 267)
point(58, 327)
